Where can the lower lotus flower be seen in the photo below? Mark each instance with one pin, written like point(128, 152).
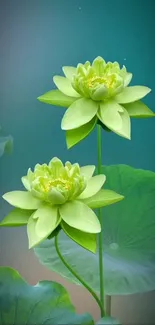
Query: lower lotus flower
point(97, 93)
point(60, 196)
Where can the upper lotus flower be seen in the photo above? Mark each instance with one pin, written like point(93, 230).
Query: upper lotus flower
point(97, 92)
point(99, 81)
point(60, 196)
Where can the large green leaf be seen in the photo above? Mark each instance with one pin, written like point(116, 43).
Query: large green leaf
point(129, 238)
point(45, 303)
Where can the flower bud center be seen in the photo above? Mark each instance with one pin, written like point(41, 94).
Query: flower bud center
point(55, 183)
point(99, 80)
point(95, 81)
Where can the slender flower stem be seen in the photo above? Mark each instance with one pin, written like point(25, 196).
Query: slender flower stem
point(77, 276)
point(99, 154)
point(108, 305)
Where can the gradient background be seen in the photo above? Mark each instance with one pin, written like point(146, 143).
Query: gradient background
point(38, 37)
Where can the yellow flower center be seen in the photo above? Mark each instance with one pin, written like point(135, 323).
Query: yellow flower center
point(108, 81)
point(47, 186)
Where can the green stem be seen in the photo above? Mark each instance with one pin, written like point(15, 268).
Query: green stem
point(108, 305)
point(76, 275)
point(99, 154)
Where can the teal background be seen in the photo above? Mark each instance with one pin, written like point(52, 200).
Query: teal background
point(37, 38)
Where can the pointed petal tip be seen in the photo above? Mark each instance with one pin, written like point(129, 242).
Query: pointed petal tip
point(63, 127)
point(55, 78)
point(99, 230)
point(65, 67)
point(40, 99)
point(127, 137)
point(148, 90)
point(4, 196)
point(120, 197)
point(69, 71)
point(93, 250)
point(31, 246)
point(69, 146)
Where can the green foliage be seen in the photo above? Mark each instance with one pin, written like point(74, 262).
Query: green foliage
point(62, 197)
point(45, 303)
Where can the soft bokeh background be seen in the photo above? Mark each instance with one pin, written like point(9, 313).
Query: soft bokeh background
point(37, 38)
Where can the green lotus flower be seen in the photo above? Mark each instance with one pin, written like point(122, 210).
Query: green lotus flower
point(97, 92)
point(60, 196)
